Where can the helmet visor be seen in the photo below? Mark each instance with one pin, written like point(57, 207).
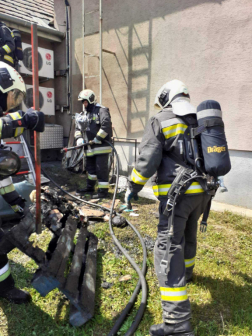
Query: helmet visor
point(15, 98)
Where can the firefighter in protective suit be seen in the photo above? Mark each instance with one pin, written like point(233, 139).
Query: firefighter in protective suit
point(12, 92)
point(162, 152)
point(7, 45)
point(94, 125)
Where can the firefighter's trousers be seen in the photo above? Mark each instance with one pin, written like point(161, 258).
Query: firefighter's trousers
point(175, 302)
point(97, 169)
point(6, 280)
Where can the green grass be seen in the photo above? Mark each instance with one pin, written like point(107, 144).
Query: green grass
point(221, 295)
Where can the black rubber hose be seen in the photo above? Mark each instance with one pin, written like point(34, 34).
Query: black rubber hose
point(141, 274)
point(142, 281)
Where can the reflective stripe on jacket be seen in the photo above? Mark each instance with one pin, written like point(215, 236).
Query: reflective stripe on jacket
point(7, 45)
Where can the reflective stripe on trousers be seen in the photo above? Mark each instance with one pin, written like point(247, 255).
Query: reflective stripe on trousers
point(4, 272)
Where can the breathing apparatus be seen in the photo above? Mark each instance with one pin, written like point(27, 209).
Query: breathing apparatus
point(206, 152)
point(10, 163)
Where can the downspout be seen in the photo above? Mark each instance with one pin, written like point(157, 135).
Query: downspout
point(100, 52)
point(68, 68)
point(83, 44)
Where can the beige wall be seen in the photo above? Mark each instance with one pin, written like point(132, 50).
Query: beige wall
point(205, 43)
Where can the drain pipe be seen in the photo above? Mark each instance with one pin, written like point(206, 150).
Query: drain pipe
point(68, 45)
point(83, 45)
point(100, 9)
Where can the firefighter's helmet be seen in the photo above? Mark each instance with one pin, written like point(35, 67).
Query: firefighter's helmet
point(88, 95)
point(174, 93)
point(11, 80)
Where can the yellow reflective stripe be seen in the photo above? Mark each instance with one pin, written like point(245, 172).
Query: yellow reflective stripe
point(92, 177)
point(19, 130)
point(1, 128)
point(189, 262)
point(16, 208)
point(77, 133)
point(195, 188)
point(102, 134)
point(4, 275)
point(15, 115)
point(162, 189)
point(137, 178)
point(7, 190)
point(7, 48)
point(174, 130)
point(103, 185)
point(173, 294)
point(9, 58)
point(99, 150)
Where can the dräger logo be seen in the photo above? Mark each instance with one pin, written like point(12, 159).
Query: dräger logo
point(216, 149)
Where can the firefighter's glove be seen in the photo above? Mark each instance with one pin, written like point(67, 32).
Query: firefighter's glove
point(95, 141)
point(79, 142)
point(32, 120)
point(19, 207)
point(33, 196)
point(129, 195)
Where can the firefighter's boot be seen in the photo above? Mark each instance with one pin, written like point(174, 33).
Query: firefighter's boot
point(177, 329)
point(82, 192)
point(9, 292)
point(16, 295)
point(102, 193)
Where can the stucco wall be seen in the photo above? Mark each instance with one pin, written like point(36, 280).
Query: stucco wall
point(205, 43)
point(238, 181)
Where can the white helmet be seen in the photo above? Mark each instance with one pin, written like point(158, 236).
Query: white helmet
point(174, 93)
point(11, 80)
point(88, 95)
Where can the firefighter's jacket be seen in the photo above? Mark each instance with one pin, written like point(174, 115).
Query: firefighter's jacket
point(98, 126)
point(7, 189)
point(161, 146)
point(7, 45)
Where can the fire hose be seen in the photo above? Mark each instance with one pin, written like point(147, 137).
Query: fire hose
point(141, 273)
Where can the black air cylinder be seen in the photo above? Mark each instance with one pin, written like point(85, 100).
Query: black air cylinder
point(213, 139)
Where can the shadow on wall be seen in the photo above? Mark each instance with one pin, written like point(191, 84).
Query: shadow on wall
point(138, 52)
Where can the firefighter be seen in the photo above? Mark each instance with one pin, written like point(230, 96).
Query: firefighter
point(7, 45)
point(94, 125)
point(12, 92)
point(162, 151)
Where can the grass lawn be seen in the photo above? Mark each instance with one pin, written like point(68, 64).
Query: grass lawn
point(221, 294)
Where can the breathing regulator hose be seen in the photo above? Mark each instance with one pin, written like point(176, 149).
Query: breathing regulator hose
point(141, 273)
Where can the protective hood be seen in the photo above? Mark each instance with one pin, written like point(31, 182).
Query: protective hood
point(181, 106)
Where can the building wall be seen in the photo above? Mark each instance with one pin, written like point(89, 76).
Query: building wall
point(238, 181)
point(204, 43)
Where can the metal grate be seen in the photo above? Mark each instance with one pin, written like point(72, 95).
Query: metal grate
point(52, 137)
